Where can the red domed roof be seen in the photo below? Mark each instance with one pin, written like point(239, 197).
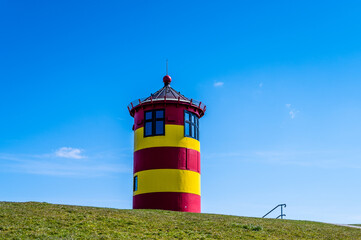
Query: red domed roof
point(167, 93)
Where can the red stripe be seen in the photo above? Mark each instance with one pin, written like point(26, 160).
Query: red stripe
point(173, 114)
point(167, 158)
point(184, 202)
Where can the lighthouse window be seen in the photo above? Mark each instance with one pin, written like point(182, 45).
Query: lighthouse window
point(191, 125)
point(159, 114)
point(154, 123)
point(135, 183)
point(159, 127)
point(148, 115)
point(187, 129)
point(148, 128)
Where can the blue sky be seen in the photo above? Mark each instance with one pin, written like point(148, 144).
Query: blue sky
point(280, 80)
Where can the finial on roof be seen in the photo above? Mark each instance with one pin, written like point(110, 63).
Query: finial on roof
point(167, 79)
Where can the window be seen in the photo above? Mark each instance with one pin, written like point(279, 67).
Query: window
point(191, 125)
point(154, 123)
point(135, 183)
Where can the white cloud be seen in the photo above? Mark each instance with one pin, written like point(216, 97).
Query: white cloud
point(292, 111)
point(304, 158)
point(75, 169)
point(68, 152)
point(218, 84)
point(52, 165)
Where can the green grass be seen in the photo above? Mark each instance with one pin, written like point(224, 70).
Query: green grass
point(32, 220)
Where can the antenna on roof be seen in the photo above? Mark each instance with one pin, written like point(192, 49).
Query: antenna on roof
point(167, 79)
point(166, 71)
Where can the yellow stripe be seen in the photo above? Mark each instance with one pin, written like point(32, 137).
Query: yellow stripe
point(174, 137)
point(168, 180)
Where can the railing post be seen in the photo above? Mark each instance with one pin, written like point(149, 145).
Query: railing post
point(279, 205)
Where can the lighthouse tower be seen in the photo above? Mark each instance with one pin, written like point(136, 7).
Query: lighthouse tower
point(167, 162)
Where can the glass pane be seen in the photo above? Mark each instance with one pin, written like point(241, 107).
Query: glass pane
point(159, 114)
point(159, 127)
point(193, 131)
point(186, 129)
point(135, 186)
point(148, 129)
point(192, 118)
point(148, 115)
point(186, 116)
point(197, 121)
point(197, 133)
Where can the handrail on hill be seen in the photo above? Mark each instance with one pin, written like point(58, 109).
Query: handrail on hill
point(280, 216)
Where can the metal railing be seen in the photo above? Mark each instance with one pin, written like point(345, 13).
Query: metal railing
point(143, 100)
point(281, 215)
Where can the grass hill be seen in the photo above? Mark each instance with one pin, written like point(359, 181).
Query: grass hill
point(32, 220)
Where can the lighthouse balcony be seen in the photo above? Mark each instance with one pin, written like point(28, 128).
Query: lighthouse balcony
point(148, 100)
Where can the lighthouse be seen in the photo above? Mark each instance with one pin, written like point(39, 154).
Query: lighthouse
point(167, 163)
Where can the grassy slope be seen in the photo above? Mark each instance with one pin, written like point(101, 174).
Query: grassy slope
point(50, 221)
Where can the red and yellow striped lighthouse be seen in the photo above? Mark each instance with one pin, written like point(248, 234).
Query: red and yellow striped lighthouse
point(167, 151)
